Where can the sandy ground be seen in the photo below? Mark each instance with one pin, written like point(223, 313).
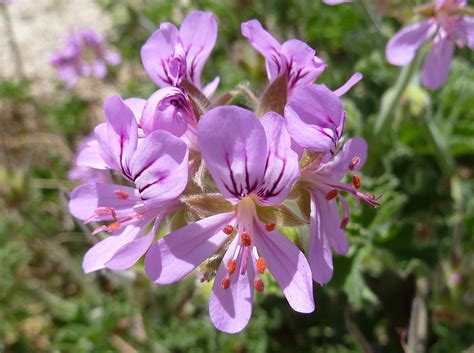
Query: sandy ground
point(39, 27)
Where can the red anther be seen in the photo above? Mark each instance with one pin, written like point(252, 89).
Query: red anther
point(246, 240)
point(228, 229)
point(331, 194)
point(259, 286)
point(354, 162)
point(356, 181)
point(231, 266)
point(225, 282)
point(122, 195)
point(344, 222)
point(261, 265)
point(106, 211)
point(270, 227)
point(112, 227)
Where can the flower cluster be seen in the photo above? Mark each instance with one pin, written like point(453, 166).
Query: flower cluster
point(84, 54)
point(226, 179)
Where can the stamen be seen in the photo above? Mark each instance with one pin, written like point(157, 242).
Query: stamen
point(270, 227)
point(99, 229)
point(356, 181)
point(259, 286)
point(225, 282)
point(106, 211)
point(344, 223)
point(246, 240)
point(231, 266)
point(261, 265)
point(122, 195)
point(228, 229)
point(354, 162)
point(331, 194)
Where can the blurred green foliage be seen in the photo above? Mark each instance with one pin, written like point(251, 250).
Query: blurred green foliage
point(423, 231)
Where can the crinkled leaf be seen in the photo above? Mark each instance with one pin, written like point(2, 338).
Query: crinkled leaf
point(205, 205)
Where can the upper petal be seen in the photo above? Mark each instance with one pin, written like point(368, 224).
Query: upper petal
point(266, 45)
point(122, 132)
point(315, 116)
point(230, 309)
point(281, 165)
point(234, 146)
point(288, 266)
point(160, 168)
point(156, 52)
point(402, 47)
point(198, 34)
point(464, 31)
point(136, 105)
point(437, 63)
point(178, 253)
point(88, 154)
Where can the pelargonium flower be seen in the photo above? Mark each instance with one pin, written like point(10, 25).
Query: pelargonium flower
point(84, 54)
point(252, 163)
point(158, 169)
point(170, 55)
point(445, 26)
point(293, 58)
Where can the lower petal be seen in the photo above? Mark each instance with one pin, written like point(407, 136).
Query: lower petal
point(437, 63)
point(230, 309)
point(180, 252)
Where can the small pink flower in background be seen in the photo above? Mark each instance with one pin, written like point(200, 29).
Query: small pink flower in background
point(84, 54)
point(252, 163)
point(445, 27)
point(336, 2)
point(170, 55)
point(293, 58)
point(158, 169)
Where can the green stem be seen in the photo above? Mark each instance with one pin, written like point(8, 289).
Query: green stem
point(388, 107)
point(371, 16)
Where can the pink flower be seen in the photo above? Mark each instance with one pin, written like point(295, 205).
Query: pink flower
point(84, 54)
point(293, 58)
point(170, 55)
point(158, 169)
point(445, 27)
point(252, 163)
point(336, 2)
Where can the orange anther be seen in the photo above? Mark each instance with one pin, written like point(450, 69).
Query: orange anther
point(259, 286)
point(344, 223)
point(112, 227)
point(270, 227)
point(231, 266)
point(356, 181)
point(331, 194)
point(261, 265)
point(122, 195)
point(246, 240)
point(354, 162)
point(225, 282)
point(228, 229)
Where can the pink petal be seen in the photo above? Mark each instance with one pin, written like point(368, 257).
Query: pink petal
point(464, 31)
point(338, 167)
point(156, 52)
point(96, 258)
point(282, 163)
point(130, 253)
point(87, 198)
point(266, 45)
point(198, 34)
point(181, 251)
point(160, 168)
point(320, 256)
point(89, 154)
point(402, 47)
point(336, 2)
point(211, 87)
point(315, 116)
point(438, 63)
point(230, 309)
point(235, 156)
point(288, 266)
point(122, 131)
point(353, 80)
